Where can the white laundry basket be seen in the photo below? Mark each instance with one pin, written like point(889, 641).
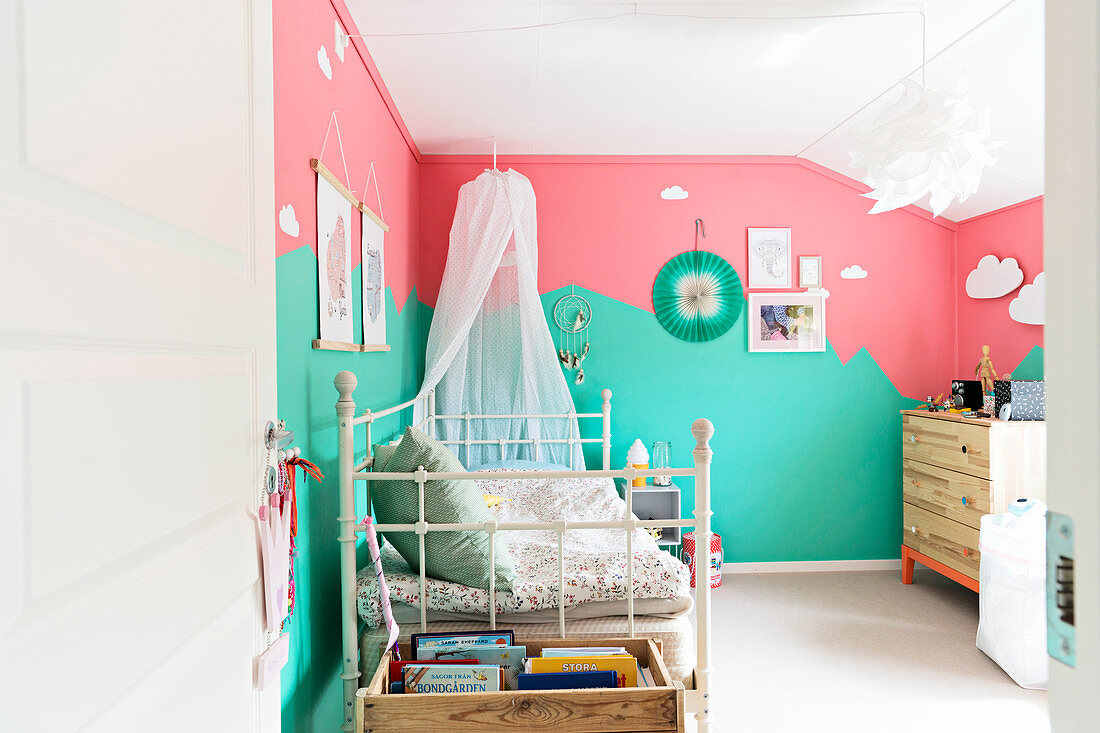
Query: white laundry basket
point(1012, 627)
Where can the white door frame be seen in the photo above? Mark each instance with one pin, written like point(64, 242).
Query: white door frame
point(1072, 259)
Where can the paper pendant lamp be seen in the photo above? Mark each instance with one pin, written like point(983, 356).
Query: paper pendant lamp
point(697, 296)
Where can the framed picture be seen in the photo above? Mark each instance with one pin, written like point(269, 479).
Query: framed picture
point(809, 272)
point(786, 322)
point(769, 258)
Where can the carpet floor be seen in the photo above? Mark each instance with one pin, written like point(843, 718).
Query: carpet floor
point(858, 651)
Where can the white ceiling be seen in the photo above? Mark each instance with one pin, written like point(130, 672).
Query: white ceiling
point(645, 85)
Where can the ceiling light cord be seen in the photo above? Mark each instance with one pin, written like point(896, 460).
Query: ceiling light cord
point(636, 12)
point(923, 44)
point(890, 88)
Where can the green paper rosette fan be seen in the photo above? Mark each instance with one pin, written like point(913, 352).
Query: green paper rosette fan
point(697, 296)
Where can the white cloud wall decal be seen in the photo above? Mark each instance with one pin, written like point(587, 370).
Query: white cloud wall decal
point(853, 272)
point(1028, 305)
point(287, 221)
point(674, 193)
point(994, 278)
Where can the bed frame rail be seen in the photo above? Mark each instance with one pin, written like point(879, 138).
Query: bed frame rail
point(351, 527)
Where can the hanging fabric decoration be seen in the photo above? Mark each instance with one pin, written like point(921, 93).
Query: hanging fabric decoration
point(697, 295)
point(489, 349)
point(383, 588)
point(573, 315)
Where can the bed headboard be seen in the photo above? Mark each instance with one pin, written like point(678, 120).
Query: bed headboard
point(428, 423)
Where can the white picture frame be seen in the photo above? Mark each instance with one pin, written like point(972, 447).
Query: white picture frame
point(786, 322)
point(769, 260)
point(809, 271)
point(334, 292)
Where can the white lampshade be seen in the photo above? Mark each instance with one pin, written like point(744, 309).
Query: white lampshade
point(926, 142)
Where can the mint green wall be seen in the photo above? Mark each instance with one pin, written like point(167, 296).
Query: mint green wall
point(807, 454)
point(1032, 365)
point(312, 691)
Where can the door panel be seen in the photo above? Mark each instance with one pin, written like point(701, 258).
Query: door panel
point(136, 362)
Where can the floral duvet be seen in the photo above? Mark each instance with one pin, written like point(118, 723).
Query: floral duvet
point(595, 559)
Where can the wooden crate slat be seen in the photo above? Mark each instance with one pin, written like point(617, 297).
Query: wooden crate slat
point(568, 711)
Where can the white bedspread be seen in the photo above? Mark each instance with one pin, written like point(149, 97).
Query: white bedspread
point(595, 559)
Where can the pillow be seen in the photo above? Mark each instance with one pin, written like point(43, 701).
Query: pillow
point(382, 454)
point(516, 464)
point(460, 557)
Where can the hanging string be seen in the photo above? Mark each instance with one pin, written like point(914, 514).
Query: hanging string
point(332, 119)
point(923, 44)
point(377, 189)
point(636, 12)
point(699, 226)
point(924, 62)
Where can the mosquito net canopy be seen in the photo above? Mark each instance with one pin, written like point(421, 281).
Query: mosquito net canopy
point(489, 349)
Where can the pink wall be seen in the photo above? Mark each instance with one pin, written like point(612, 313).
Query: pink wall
point(1015, 231)
point(371, 131)
point(603, 226)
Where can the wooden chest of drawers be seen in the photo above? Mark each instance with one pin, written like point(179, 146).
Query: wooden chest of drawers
point(954, 470)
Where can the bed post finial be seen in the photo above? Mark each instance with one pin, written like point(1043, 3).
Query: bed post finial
point(345, 382)
point(703, 430)
point(606, 443)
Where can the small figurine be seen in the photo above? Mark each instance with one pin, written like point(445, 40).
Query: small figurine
point(985, 371)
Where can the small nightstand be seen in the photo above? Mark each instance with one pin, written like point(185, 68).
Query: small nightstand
point(657, 502)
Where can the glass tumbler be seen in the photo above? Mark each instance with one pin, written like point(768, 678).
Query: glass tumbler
point(662, 458)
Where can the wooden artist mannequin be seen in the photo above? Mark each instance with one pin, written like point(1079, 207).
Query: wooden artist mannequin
point(985, 371)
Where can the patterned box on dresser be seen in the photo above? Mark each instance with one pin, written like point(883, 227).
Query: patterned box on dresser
point(1029, 399)
point(1002, 395)
point(954, 470)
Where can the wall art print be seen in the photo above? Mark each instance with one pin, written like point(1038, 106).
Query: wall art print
point(373, 273)
point(769, 258)
point(334, 263)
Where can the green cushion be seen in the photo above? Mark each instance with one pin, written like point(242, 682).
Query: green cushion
point(460, 557)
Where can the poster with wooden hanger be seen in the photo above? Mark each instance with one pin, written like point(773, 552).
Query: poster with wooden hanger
point(373, 268)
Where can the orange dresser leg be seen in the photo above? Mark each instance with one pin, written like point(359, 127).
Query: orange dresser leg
point(907, 563)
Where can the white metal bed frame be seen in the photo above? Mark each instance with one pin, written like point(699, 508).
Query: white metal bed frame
point(696, 699)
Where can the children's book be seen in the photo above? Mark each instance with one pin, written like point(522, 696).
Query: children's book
point(421, 678)
point(434, 640)
point(583, 651)
point(568, 680)
point(626, 666)
point(509, 658)
point(397, 668)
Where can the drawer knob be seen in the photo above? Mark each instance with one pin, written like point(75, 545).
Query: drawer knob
point(912, 438)
point(966, 552)
point(964, 449)
point(964, 501)
point(913, 529)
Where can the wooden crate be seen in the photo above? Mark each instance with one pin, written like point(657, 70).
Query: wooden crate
point(625, 710)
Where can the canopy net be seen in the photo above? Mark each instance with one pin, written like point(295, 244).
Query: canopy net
point(489, 350)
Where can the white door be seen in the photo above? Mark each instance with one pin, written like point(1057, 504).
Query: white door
point(137, 350)
point(1072, 258)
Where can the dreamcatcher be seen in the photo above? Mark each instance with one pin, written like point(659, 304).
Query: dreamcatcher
point(573, 315)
